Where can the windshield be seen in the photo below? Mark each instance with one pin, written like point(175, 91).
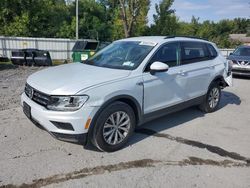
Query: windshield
point(242, 51)
point(121, 55)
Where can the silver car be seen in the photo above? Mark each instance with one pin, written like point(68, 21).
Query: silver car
point(240, 60)
point(124, 85)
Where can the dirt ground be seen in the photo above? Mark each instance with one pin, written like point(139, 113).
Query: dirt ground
point(184, 149)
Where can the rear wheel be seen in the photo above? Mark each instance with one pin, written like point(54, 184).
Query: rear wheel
point(114, 127)
point(212, 99)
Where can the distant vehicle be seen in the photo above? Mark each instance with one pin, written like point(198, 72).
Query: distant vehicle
point(240, 60)
point(127, 83)
point(31, 57)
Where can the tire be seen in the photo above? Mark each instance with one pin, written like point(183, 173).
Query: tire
point(212, 99)
point(106, 135)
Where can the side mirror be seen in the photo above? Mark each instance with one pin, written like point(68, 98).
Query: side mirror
point(158, 67)
point(231, 53)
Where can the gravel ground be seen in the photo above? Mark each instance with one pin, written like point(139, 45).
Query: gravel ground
point(184, 149)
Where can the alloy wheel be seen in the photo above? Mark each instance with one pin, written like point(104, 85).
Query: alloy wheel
point(214, 97)
point(116, 127)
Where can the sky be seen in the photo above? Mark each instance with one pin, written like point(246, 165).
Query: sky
point(214, 10)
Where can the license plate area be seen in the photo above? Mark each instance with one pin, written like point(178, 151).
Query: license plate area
point(27, 110)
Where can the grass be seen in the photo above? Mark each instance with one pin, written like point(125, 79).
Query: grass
point(5, 62)
point(59, 62)
point(7, 65)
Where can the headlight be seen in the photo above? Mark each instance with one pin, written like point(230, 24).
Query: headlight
point(230, 65)
point(67, 103)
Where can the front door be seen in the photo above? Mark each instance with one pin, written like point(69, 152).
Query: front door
point(164, 89)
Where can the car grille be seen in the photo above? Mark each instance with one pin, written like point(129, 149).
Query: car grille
point(242, 63)
point(37, 96)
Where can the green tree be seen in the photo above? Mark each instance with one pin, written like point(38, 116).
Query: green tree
point(93, 21)
point(133, 12)
point(165, 21)
point(31, 17)
point(109, 20)
point(127, 17)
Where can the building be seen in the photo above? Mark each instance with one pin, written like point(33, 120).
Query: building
point(241, 37)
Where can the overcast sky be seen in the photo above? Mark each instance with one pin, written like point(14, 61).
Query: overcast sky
point(207, 9)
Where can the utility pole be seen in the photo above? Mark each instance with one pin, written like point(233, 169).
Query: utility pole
point(77, 36)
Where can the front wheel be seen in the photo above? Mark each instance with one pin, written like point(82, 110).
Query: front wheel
point(114, 127)
point(212, 99)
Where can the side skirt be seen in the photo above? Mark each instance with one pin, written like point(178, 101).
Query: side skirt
point(159, 113)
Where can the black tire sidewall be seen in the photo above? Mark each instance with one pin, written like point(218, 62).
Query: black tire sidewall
point(98, 139)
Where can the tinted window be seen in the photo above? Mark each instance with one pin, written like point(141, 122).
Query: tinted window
point(192, 52)
point(167, 54)
point(213, 53)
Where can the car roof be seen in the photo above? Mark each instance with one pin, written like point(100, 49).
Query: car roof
point(162, 39)
point(156, 39)
point(244, 46)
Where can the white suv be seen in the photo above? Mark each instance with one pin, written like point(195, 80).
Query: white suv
point(129, 82)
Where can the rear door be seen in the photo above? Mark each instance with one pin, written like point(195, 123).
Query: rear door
point(195, 67)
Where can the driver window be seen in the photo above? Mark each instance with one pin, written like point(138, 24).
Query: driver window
point(168, 54)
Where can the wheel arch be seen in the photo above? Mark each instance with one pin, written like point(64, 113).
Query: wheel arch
point(220, 80)
point(131, 101)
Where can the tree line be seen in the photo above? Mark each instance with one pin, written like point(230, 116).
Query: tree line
point(109, 20)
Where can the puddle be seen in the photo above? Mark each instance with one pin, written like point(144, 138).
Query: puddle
point(85, 172)
point(144, 163)
point(214, 149)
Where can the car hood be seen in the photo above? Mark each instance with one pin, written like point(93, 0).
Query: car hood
point(239, 58)
point(71, 78)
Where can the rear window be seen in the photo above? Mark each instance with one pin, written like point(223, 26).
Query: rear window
point(192, 52)
point(212, 52)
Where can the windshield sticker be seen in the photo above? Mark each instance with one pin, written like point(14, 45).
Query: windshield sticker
point(131, 64)
point(127, 63)
point(147, 43)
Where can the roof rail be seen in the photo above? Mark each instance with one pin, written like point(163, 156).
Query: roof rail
point(185, 36)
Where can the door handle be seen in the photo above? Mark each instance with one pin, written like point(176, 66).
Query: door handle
point(182, 73)
point(211, 66)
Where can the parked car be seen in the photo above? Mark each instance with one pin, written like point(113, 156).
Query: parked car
point(240, 60)
point(124, 85)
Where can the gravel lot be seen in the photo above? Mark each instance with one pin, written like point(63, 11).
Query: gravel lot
point(185, 149)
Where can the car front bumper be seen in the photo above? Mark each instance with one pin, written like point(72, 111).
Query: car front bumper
point(66, 126)
point(241, 70)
